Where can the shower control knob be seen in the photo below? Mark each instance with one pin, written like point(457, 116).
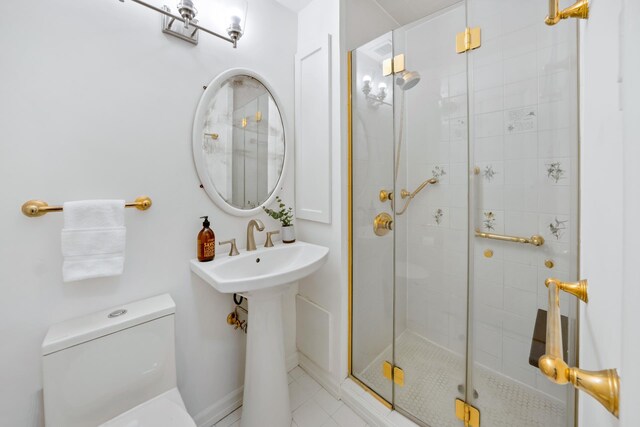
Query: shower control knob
point(382, 224)
point(385, 195)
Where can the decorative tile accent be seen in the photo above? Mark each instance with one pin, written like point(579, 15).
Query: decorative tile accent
point(458, 129)
point(488, 173)
point(438, 172)
point(557, 228)
point(521, 120)
point(555, 171)
point(489, 221)
point(438, 216)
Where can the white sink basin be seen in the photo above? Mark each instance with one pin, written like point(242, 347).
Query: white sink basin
point(261, 269)
point(262, 276)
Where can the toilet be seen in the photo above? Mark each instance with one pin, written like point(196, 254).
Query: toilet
point(114, 368)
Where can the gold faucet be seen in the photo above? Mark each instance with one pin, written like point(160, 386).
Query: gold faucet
point(251, 242)
point(269, 243)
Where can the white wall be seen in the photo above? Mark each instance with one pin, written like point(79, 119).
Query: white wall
point(630, 368)
point(365, 20)
point(602, 185)
point(328, 287)
point(95, 102)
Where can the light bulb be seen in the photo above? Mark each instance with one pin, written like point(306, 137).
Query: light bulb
point(382, 86)
point(366, 79)
point(235, 16)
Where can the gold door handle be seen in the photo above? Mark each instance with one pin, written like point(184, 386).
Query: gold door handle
point(382, 224)
point(603, 385)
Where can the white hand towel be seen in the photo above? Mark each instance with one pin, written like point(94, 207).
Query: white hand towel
point(93, 239)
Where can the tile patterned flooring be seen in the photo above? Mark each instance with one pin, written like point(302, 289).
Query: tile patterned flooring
point(312, 406)
point(436, 374)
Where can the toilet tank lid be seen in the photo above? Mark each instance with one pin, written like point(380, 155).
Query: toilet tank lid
point(86, 328)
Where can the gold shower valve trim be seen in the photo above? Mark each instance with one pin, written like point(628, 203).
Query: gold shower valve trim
point(382, 224)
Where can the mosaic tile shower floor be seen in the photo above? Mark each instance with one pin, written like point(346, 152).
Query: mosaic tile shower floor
point(432, 378)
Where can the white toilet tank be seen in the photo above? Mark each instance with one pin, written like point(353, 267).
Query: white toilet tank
point(98, 366)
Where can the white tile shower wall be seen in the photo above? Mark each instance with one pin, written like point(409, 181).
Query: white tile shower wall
point(524, 142)
point(436, 146)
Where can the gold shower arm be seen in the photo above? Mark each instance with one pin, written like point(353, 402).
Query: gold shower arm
point(579, 9)
point(603, 385)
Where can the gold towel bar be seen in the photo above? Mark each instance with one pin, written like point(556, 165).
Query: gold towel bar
point(534, 240)
point(603, 385)
point(36, 208)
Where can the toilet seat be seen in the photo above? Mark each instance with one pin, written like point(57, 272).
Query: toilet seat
point(166, 410)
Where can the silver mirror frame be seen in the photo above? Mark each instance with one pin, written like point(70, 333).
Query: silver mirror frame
point(196, 140)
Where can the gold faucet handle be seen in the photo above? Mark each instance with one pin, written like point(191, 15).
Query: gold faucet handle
point(269, 243)
point(233, 251)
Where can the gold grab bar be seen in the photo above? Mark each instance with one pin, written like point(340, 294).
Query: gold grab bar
point(603, 385)
point(36, 208)
point(579, 9)
point(534, 240)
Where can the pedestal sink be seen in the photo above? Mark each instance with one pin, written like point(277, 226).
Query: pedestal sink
point(262, 276)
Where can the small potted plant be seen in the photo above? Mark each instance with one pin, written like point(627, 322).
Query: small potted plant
point(285, 216)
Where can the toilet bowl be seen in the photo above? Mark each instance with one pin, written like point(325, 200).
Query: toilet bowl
point(114, 368)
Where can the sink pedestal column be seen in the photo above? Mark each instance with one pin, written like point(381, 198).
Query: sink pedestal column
point(266, 389)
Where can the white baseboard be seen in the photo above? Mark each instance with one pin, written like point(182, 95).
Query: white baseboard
point(220, 409)
point(320, 375)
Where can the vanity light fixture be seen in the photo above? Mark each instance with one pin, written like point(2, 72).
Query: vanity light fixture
point(190, 29)
point(377, 98)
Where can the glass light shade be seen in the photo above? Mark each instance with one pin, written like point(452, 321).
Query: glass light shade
point(236, 17)
point(366, 79)
point(382, 86)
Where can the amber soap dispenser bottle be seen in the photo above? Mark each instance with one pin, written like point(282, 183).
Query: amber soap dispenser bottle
point(206, 242)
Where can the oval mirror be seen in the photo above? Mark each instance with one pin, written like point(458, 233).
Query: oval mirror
point(239, 142)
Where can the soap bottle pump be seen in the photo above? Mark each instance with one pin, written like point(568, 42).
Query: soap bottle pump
point(206, 242)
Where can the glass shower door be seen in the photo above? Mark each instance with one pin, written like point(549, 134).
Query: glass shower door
point(431, 224)
point(373, 264)
point(524, 150)
point(455, 158)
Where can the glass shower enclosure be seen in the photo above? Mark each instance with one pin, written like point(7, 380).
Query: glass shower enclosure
point(463, 200)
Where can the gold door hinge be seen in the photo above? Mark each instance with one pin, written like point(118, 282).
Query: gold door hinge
point(393, 373)
point(393, 65)
point(468, 40)
point(467, 413)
